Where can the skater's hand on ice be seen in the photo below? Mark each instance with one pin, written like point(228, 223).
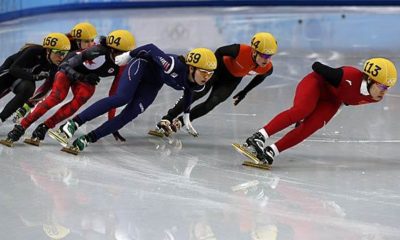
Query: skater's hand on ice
point(123, 59)
point(238, 97)
point(188, 125)
point(118, 137)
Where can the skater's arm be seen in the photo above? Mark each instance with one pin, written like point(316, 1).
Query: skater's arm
point(68, 67)
point(187, 98)
point(331, 75)
point(230, 51)
point(256, 81)
point(41, 91)
point(151, 51)
point(44, 89)
point(186, 114)
point(20, 68)
point(252, 84)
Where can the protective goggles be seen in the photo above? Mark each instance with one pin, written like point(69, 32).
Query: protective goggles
point(61, 53)
point(381, 86)
point(205, 73)
point(265, 56)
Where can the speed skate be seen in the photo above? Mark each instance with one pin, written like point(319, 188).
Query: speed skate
point(7, 142)
point(157, 133)
point(59, 137)
point(71, 150)
point(32, 141)
point(255, 162)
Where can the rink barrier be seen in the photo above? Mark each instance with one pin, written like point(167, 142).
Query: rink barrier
point(10, 11)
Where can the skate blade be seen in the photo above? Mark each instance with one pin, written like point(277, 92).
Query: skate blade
point(243, 150)
point(70, 150)
point(255, 165)
point(32, 142)
point(7, 143)
point(56, 136)
point(156, 133)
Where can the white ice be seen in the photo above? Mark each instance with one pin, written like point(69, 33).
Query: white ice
point(341, 183)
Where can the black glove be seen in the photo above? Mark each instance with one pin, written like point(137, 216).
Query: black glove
point(141, 54)
point(239, 97)
point(92, 79)
point(41, 75)
point(118, 137)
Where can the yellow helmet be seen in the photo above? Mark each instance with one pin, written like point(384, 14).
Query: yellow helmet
point(57, 41)
point(381, 70)
point(84, 31)
point(121, 40)
point(202, 58)
point(264, 43)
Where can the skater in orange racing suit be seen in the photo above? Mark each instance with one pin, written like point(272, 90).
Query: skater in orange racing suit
point(234, 62)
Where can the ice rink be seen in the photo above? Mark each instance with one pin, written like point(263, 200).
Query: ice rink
point(341, 183)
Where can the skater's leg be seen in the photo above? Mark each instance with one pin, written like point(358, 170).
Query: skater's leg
point(129, 81)
point(58, 94)
point(323, 113)
point(13, 136)
point(308, 93)
point(144, 97)
point(219, 93)
point(113, 90)
point(82, 93)
point(23, 91)
point(5, 83)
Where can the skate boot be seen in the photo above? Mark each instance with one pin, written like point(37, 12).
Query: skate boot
point(255, 144)
point(176, 125)
point(165, 125)
point(38, 135)
point(163, 128)
point(81, 142)
point(64, 133)
point(268, 156)
point(13, 136)
point(78, 145)
point(20, 113)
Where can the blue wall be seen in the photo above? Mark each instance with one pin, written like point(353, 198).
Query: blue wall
point(15, 9)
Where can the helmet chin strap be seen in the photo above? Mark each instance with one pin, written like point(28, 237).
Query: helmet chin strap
point(193, 75)
point(48, 56)
point(79, 42)
point(254, 57)
point(113, 53)
point(369, 84)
